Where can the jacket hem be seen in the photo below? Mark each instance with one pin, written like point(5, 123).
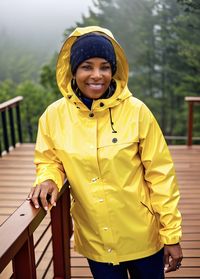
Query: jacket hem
point(124, 258)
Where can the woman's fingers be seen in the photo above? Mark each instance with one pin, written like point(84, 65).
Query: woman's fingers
point(40, 194)
point(172, 257)
point(34, 196)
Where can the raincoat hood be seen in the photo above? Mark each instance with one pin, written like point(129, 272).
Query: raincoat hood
point(63, 69)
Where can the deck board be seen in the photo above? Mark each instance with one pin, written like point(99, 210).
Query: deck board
point(17, 176)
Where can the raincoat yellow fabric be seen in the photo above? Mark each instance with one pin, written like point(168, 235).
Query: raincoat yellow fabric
point(123, 184)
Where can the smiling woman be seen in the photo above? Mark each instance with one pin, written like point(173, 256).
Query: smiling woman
point(109, 146)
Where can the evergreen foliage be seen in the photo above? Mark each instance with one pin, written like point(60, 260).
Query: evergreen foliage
point(162, 43)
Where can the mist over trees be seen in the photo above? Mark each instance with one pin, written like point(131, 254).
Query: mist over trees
point(162, 43)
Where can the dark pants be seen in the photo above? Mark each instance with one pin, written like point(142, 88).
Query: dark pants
point(146, 268)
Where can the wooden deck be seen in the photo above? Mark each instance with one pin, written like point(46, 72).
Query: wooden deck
point(17, 176)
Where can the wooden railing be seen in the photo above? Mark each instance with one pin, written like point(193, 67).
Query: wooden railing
point(9, 135)
point(17, 245)
point(191, 101)
point(10, 141)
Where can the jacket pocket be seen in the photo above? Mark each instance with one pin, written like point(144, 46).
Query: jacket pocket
point(118, 140)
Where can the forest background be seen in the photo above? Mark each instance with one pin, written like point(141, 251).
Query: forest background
point(161, 39)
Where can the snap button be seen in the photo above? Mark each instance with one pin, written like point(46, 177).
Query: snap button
point(109, 250)
point(101, 200)
point(105, 229)
point(114, 140)
point(91, 114)
point(94, 179)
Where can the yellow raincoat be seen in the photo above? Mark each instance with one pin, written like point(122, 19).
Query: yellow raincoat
point(123, 184)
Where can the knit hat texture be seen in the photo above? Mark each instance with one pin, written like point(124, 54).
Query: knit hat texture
point(90, 46)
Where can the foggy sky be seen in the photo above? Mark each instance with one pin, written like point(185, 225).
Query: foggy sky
point(40, 20)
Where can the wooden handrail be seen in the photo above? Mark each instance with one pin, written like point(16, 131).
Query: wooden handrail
point(191, 101)
point(16, 241)
point(10, 103)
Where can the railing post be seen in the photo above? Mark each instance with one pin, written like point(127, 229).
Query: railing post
point(191, 101)
point(12, 127)
point(24, 261)
point(19, 128)
point(61, 232)
point(5, 132)
point(190, 123)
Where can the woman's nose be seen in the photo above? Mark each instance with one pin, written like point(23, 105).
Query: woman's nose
point(96, 73)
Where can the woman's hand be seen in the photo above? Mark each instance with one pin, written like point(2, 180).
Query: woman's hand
point(39, 194)
point(172, 257)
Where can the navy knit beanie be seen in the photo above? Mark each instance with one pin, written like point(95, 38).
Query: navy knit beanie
point(89, 46)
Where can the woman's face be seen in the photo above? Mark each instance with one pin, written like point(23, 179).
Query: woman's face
point(93, 77)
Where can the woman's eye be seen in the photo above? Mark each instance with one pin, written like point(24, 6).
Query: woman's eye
point(86, 67)
point(105, 68)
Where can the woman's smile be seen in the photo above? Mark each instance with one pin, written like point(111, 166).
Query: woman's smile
point(95, 86)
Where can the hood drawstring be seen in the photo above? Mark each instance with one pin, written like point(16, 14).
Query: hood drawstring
point(111, 122)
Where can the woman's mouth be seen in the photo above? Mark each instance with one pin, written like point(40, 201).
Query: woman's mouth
point(95, 86)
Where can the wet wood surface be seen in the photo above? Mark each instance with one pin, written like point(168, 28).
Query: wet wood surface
point(17, 174)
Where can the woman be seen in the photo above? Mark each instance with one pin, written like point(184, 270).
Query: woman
point(111, 149)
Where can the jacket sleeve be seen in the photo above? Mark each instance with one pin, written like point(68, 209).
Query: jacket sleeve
point(48, 166)
point(160, 177)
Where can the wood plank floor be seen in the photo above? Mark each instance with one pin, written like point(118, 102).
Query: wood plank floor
point(17, 175)
point(187, 164)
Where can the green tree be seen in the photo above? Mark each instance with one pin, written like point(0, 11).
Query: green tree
point(192, 6)
point(189, 51)
point(36, 99)
point(162, 52)
point(48, 77)
point(7, 90)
